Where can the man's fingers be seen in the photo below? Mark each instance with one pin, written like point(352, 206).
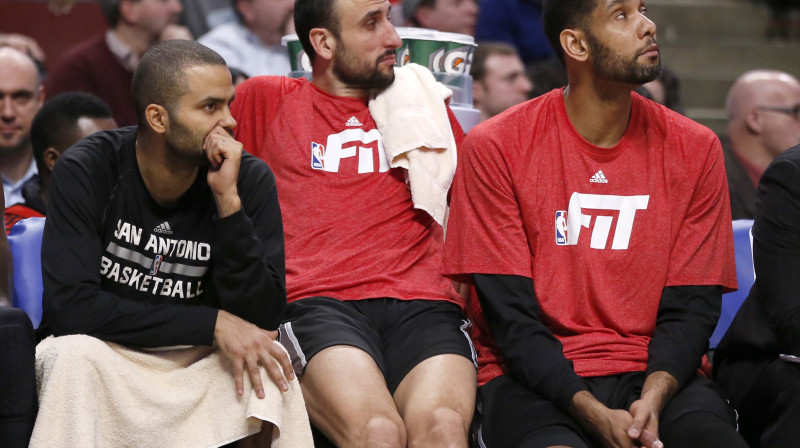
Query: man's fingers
point(274, 371)
point(640, 419)
point(238, 375)
point(255, 378)
point(280, 355)
point(650, 440)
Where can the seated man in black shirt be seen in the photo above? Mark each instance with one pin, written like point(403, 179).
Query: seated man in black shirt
point(756, 362)
point(161, 235)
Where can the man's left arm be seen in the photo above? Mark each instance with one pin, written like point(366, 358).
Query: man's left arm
point(701, 265)
point(248, 272)
point(248, 250)
point(687, 316)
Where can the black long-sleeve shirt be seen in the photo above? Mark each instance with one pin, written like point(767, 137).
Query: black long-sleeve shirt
point(120, 267)
point(686, 318)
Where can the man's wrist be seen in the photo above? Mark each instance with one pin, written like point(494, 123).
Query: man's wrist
point(659, 387)
point(227, 204)
point(587, 410)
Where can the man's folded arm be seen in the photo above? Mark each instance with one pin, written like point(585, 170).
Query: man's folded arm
point(248, 254)
point(533, 353)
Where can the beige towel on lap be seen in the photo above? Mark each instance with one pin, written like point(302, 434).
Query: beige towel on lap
point(98, 394)
point(412, 118)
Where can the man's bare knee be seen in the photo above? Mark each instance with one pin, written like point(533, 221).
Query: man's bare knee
point(442, 427)
point(383, 432)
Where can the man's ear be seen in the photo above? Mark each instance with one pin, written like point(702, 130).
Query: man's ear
point(753, 121)
point(40, 96)
point(575, 44)
point(157, 117)
point(50, 156)
point(324, 42)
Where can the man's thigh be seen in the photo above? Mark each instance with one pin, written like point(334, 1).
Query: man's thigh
point(317, 323)
point(700, 395)
point(513, 416)
point(345, 393)
point(397, 334)
point(417, 330)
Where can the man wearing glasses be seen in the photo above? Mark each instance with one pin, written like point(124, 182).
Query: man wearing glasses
point(763, 109)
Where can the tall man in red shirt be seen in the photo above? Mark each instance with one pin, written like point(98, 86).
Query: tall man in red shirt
point(595, 227)
point(376, 333)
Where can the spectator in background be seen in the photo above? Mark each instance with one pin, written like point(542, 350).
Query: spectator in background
point(665, 90)
point(202, 16)
point(498, 79)
point(751, 362)
point(253, 44)
point(27, 45)
point(516, 22)
point(61, 122)
point(452, 16)
point(104, 64)
point(763, 108)
point(546, 77)
point(21, 96)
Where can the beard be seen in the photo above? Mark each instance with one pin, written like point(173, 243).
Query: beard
point(613, 67)
point(361, 75)
point(185, 144)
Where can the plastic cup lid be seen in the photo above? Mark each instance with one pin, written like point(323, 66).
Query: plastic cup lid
point(289, 38)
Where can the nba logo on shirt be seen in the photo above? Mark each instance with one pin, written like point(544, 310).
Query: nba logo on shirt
point(156, 264)
point(561, 228)
point(317, 154)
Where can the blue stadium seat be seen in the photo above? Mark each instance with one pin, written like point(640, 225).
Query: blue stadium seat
point(25, 240)
point(745, 276)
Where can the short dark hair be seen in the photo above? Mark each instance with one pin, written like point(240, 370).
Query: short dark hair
point(159, 77)
point(309, 14)
point(559, 15)
point(410, 8)
point(110, 10)
point(482, 53)
point(55, 123)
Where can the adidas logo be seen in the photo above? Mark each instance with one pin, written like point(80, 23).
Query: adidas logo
point(353, 122)
point(599, 178)
point(163, 228)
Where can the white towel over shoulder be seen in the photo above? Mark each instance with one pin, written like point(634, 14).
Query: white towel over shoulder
point(412, 118)
point(100, 394)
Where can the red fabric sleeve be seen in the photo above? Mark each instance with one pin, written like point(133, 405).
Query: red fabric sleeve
point(703, 252)
point(485, 232)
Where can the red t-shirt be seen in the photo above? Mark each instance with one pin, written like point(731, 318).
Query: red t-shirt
point(601, 231)
point(350, 227)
